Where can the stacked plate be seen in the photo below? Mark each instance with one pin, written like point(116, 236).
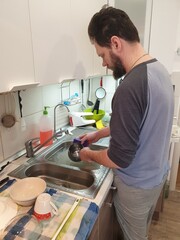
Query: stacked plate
point(8, 210)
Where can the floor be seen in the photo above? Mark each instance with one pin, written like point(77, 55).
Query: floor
point(168, 226)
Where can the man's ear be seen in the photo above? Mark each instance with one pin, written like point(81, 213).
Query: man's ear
point(115, 43)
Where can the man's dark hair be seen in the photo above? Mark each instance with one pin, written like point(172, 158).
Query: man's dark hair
point(110, 22)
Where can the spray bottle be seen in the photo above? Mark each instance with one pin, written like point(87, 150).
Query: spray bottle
point(45, 127)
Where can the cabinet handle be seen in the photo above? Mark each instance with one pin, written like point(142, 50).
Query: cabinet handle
point(113, 188)
point(109, 204)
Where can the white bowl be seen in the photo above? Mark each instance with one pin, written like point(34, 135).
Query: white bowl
point(25, 191)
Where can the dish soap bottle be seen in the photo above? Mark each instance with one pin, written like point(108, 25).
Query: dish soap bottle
point(46, 131)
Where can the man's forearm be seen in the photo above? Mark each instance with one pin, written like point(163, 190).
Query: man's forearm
point(104, 132)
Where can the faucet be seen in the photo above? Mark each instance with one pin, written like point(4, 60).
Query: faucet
point(58, 105)
point(30, 151)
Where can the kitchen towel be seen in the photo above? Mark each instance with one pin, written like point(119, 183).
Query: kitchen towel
point(6, 186)
point(77, 226)
point(63, 202)
point(81, 222)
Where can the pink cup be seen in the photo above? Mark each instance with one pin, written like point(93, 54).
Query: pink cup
point(44, 208)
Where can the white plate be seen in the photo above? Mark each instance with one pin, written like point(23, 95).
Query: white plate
point(8, 210)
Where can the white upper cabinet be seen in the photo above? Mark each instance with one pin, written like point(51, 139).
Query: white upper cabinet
point(52, 46)
point(16, 56)
point(87, 63)
point(47, 41)
point(61, 46)
point(163, 34)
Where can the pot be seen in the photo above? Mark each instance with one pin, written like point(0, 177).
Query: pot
point(75, 148)
point(73, 152)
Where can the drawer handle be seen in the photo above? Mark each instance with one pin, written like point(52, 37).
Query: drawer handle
point(109, 204)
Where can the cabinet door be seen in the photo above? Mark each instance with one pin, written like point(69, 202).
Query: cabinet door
point(106, 218)
point(16, 57)
point(163, 31)
point(86, 63)
point(52, 45)
point(61, 46)
point(106, 226)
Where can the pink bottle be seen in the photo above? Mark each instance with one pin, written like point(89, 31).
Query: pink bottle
point(45, 128)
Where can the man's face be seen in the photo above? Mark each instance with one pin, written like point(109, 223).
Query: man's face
point(110, 60)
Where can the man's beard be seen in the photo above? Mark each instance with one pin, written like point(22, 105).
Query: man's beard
point(118, 69)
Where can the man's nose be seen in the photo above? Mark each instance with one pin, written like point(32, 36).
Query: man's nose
point(104, 64)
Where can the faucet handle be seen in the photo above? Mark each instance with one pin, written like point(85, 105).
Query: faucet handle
point(68, 132)
point(60, 132)
point(30, 141)
point(29, 146)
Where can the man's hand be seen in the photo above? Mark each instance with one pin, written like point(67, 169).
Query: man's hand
point(89, 137)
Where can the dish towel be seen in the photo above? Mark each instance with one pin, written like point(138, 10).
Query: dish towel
point(5, 186)
point(71, 223)
point(26, 229)
point(80, 223)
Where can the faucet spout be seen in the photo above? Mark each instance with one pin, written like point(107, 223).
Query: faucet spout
point(55, 109)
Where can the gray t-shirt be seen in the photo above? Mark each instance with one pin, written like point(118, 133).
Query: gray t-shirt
point(140, 126)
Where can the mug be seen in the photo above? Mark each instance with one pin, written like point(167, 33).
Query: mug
point(44, 208)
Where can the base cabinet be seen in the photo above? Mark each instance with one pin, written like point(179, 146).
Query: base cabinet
point(106, 226)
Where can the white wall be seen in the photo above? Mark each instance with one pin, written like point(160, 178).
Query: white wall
point(176, 66)
point(176, 74)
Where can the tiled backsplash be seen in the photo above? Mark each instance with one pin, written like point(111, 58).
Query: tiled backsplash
point(33, 100)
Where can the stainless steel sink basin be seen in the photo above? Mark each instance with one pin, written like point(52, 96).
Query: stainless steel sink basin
point(59, 155)
point(55, 167)
point(65, 177)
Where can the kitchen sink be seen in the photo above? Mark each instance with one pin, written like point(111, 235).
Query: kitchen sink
point(61, 176)
point(59, 171)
